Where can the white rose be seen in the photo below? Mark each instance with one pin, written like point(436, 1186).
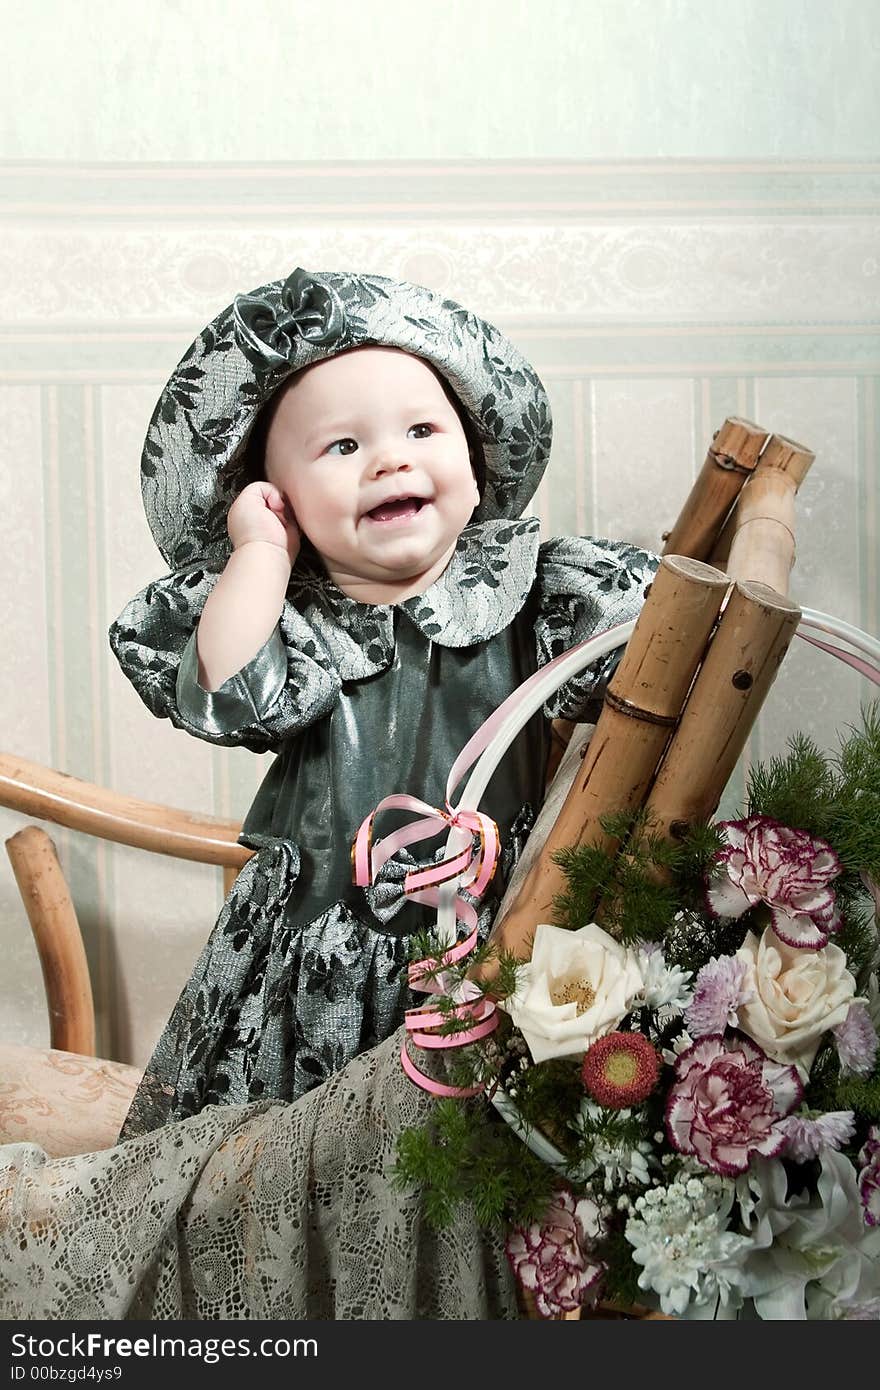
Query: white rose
point(798, 995)
point(577, 987)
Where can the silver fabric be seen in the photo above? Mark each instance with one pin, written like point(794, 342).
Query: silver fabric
point(307, 307)
point(242, 698)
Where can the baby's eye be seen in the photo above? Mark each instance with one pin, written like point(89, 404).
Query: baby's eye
point(423, 431)
point(342, 446)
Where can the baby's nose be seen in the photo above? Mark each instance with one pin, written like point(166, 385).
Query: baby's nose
point(390, 461)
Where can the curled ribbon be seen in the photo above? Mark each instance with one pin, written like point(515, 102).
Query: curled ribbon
point(472, 867)
point(309, 309)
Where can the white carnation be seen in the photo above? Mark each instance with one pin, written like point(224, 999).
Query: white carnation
point(680, 1238)
point(666, 986)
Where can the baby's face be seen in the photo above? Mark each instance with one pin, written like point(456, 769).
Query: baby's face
point(372, 458)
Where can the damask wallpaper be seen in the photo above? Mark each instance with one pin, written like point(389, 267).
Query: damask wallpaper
point(653, 299)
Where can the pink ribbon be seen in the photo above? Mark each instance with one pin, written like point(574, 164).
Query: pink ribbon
point(474, 867)
point(858, 663)
point(422, 1027)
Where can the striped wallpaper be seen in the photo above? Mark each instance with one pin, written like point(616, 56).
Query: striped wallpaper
point(654, 299)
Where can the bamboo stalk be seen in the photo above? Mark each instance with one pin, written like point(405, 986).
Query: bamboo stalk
point(734, 451)
point(762, 542)
point(642, 704)
point(58, 940)
point(721, 549)
point(730, 460)
point(740, 665)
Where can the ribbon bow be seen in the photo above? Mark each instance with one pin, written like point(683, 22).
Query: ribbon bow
point(473, 866)
point(387, 894)
point(309, 308)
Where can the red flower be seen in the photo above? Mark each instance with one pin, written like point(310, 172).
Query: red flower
point(620, 1070)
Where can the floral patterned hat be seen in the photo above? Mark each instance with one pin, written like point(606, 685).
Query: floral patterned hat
point(192, 466)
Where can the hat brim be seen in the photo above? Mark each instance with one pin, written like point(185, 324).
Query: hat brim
point(192, 464)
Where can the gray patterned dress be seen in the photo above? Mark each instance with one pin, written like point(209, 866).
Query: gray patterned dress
point(303, 971)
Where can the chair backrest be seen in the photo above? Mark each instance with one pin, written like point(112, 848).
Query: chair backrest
point(34, 790)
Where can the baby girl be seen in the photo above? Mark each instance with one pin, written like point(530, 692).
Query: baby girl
point(336, 473)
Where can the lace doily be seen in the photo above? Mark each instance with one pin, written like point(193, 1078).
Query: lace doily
point(258, 1212)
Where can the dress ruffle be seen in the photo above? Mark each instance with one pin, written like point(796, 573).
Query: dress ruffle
point(586, 585)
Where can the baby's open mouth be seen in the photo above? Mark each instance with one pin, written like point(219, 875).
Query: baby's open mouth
point(401, 509)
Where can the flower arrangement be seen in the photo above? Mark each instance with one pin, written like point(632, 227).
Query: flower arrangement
point(688, 1064)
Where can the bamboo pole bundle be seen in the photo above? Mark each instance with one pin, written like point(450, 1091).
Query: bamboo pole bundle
point(649, 749)
point(729, 461)
point(754, 633)
point(642, 706)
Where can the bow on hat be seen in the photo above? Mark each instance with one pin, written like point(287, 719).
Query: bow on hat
point(309, 308)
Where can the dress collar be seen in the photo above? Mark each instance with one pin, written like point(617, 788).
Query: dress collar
point(483, 587)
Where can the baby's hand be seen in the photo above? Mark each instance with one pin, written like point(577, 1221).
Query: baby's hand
point(262, 513)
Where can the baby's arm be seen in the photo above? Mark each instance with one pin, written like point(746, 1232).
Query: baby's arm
point(246, 602)
point(272, 677)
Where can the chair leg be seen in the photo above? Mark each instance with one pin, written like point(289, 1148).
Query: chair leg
point(58, 938)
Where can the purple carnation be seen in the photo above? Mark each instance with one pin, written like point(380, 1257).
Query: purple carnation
point(869, 1177)
point(807, 1136)
point(856, 1039)
point(726, 1104)
point(553, 1260)
point(718, 993)
point(789, 870)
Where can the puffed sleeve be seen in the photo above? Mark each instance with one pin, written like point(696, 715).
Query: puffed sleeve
point(287, 686)
point(585, 586)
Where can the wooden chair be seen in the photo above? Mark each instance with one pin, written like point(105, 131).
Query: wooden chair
point(63, 1097)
